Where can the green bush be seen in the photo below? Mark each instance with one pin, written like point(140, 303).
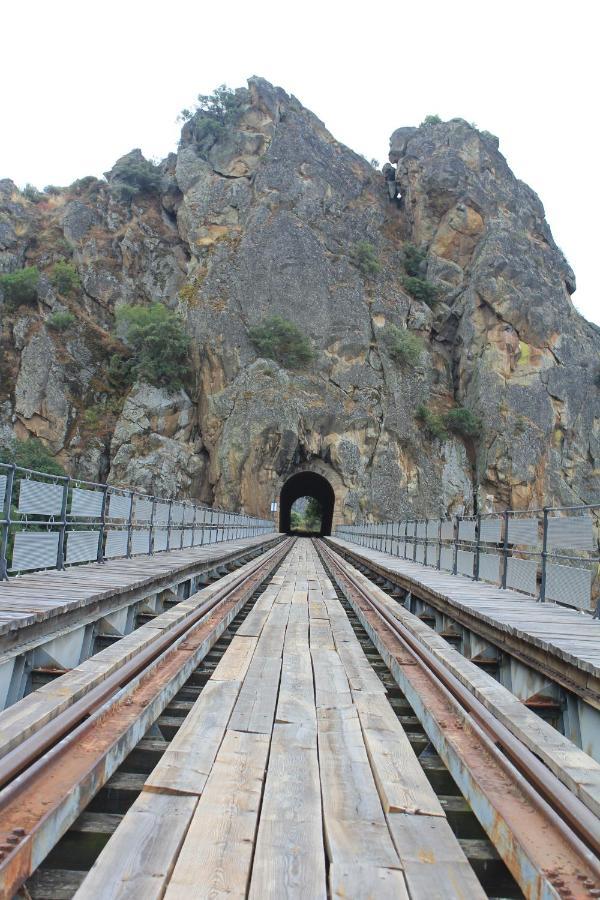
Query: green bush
point(462, 421)
point(52, 189)
point(214, 112)
point(364, 257)
point(158, 343)
point(20, 286)
point(31, 192)
point(431, 120)
point(64, 277)
point(404, 347)
point(61, 320)
point(135, 177)
point(420, 289)
point(31, 454)
point(412, 259)
point(279, 339)
point(432, 422)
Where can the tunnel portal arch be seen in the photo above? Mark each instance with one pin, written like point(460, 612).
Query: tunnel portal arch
point(306, 484)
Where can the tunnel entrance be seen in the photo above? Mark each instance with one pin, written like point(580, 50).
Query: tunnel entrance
point(306, 484)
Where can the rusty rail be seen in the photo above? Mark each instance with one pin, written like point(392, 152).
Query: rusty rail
point(547, 837)
point(51, 776)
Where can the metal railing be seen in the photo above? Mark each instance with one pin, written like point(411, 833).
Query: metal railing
point(54, 521)
point(550, 554)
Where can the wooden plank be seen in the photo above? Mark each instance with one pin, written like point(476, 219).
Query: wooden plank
point(360, 881)
point(255, 706)
point(216, 856)
point(137, 861)
point(434, 864)
point(320, 635)
point(331, 685)
point(289, 860)
point(359, 672)
point(234, 663)
point(186, 763)
point(354, 823)
point(296, 702)
point(400, 780)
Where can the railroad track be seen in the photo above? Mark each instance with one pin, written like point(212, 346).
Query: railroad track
point(548, 838)
point(67, 785)
point(52, 770)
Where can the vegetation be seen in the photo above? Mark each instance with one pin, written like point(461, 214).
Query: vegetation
point(20, 286)
point(214, 112)
point(133, 177)
point(100, 417)
point(31, 454)
point(420, 289)
point(432, 422)
point(404, 347)
point(52, 190)
point(158, 345)
point(431, 120)
point(462, 421)
point(309, 519)
point(279, 339)
point(61, 320)
point(32, 194)
point(412, 260)
point(458, 421)
point(364, 257)
point(64, 277)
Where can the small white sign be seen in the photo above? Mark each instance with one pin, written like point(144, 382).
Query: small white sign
point(274, 506)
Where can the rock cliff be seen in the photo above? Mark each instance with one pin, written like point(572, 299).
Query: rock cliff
point(266, 216)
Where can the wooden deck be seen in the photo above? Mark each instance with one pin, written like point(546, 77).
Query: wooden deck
point(290, 777)
point(37, 597)
point(571, 636)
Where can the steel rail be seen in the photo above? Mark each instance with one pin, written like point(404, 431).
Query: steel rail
point(577, 825)
point(32, 748)
point(43, 800)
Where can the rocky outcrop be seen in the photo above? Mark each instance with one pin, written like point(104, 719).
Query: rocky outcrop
point(263, 217)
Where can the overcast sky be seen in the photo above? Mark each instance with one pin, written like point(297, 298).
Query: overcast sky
point(83, 83)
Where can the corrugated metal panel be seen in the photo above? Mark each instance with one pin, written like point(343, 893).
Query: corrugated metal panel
point(40, 498)
point(82, 546)
point(140, 541)
point(570, 585)
point(446, 559)
point(143, 509)
point(489, 567)
point(175, 541)
point(521, 575)
point(466, 530)
point(464, 562)
point(177, 514)
point(161, 514)
point(86, 504)
point(119, 506)
point(571, 532)
point(116, 543)
point(432, 529)
point(188, 514)
point(2, 492)
point(34, 550)
point(447, 531)
point(491, 530)
point(160, 539)
point(187, 537)
point(523, 531)
point(421, 529)
point(420, 553)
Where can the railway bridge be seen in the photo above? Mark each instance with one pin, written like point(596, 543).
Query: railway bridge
point(197, 703)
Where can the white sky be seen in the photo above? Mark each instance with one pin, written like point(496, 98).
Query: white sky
point(83, 83)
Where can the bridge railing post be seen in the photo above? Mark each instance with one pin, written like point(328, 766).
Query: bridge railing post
point(151, 527)
point(505, 550)
point(477, 547)
point(7, 521)
point(455, 547)
point(169, 525)
point(439, 545)
point(130, 523)
point(542, 596)
point(102, 528)
point(60, 553)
